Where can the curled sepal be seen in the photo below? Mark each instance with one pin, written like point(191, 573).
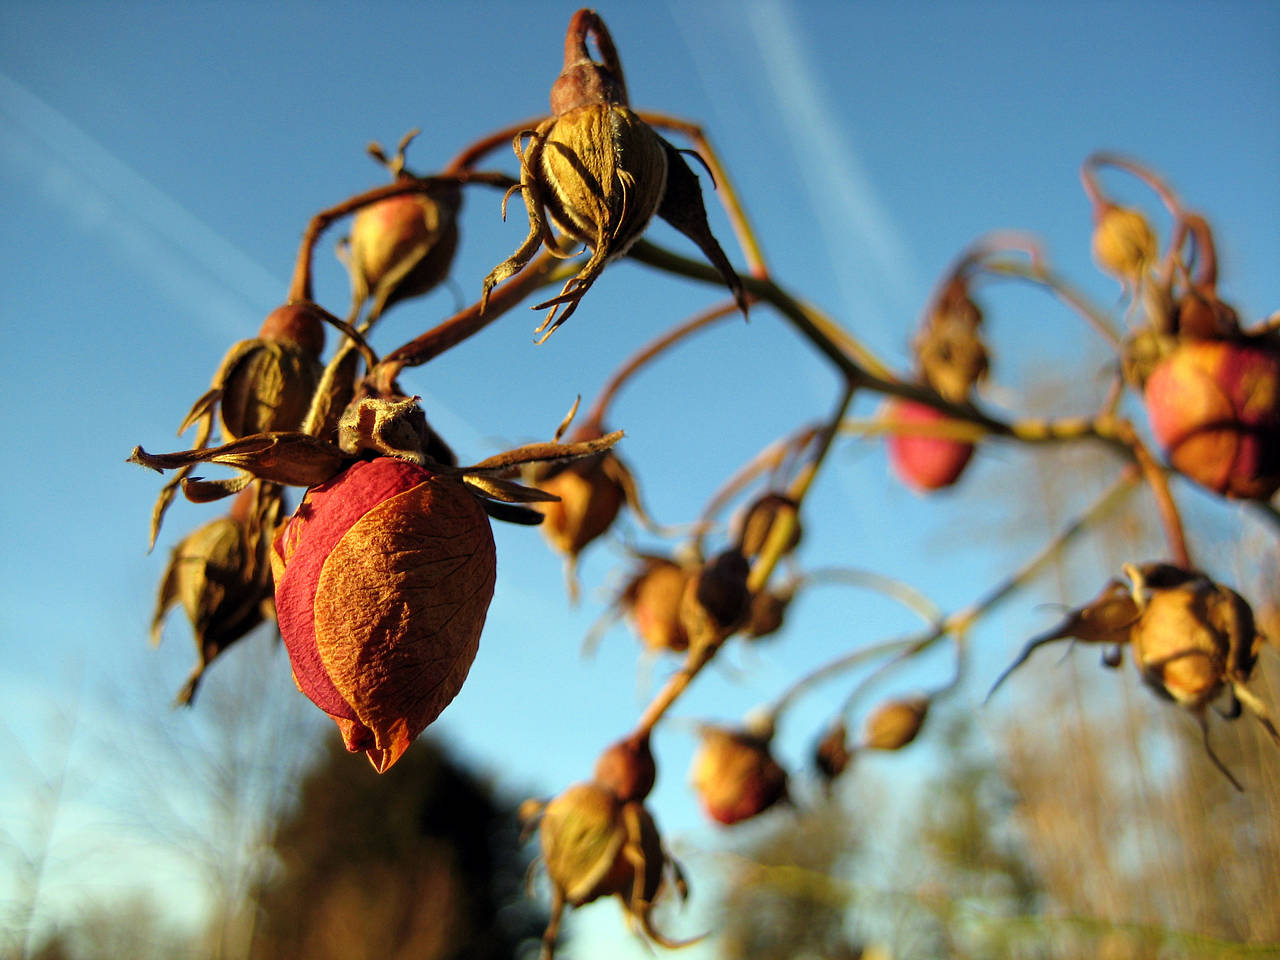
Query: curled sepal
point(292, 459)
point(220, 576)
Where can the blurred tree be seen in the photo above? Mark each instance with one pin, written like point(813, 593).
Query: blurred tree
point(423, 862)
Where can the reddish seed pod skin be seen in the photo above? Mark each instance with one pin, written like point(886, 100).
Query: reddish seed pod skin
point(735, 775)
point(383, 578)
point(925, 464)
point(1214, 407)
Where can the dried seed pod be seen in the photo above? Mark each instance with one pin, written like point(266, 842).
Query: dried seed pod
point(1214, 407)
point(383, 579)
point(924, 463)
point(716, 600)
point(266, 384)
point(593, 846)
point(591, 491)
point(768, 611)
point(949, 352)
point(831, 754)
point(652, 603)
point(756, 524)
point(895, 723)
point(403, 246)
point(627, 769)
point(1124, 245)
point(220, 575)
point(601, 173)
point(735, 775)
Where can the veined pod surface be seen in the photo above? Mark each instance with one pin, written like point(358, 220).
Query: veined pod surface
point(384, 575)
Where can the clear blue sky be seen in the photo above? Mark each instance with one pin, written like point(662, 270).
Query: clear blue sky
point(158, 163)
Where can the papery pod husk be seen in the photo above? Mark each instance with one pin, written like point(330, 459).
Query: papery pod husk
point(1124, 245)
point(1214, 407)
point(735, 775)
point(403, 246)
point(1184, 640)
point(895, 723)
point(220, 576)
point(716, 600)
point(266, 384)
point(383, 579)
point(582, 834)
point(652, 604)
point(759, 519)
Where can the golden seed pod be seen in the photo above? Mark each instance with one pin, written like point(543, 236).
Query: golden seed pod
point(1124, 245)
point(735, 775)
point(652, 603)
point(895, 723)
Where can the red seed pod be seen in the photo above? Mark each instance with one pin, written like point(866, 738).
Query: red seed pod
point(383, 578)
point(627, 769)
point(924, 463)
point(735, 775)
point(1214, 407)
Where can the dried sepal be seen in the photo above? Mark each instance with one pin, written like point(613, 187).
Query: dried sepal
point(220, 576)
point(292, 459)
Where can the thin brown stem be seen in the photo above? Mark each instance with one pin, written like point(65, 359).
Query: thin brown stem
point(653, 350)
point(472, 154)
point(1158, 481)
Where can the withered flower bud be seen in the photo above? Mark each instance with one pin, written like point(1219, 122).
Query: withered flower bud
point(924, 463)
point(831, 755)
point(1214, 407)
point(1124, 245)
point(601, 173)
point(220, 575)
point(895, 723)
point(627, 769)
point(949, 352)
point(735, 775)
point(759, 520)
point(595, 845)
point(383, 578)
point(266, 384)
point(403, 246)
point(716, 600)
point(652, 604)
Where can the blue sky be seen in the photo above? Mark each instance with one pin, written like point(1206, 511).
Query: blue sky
point(158, 163)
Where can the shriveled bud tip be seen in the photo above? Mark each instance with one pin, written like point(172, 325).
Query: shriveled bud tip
point(894, 724)
point(584, 80)
point(1124, 245)
point(627, 769)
